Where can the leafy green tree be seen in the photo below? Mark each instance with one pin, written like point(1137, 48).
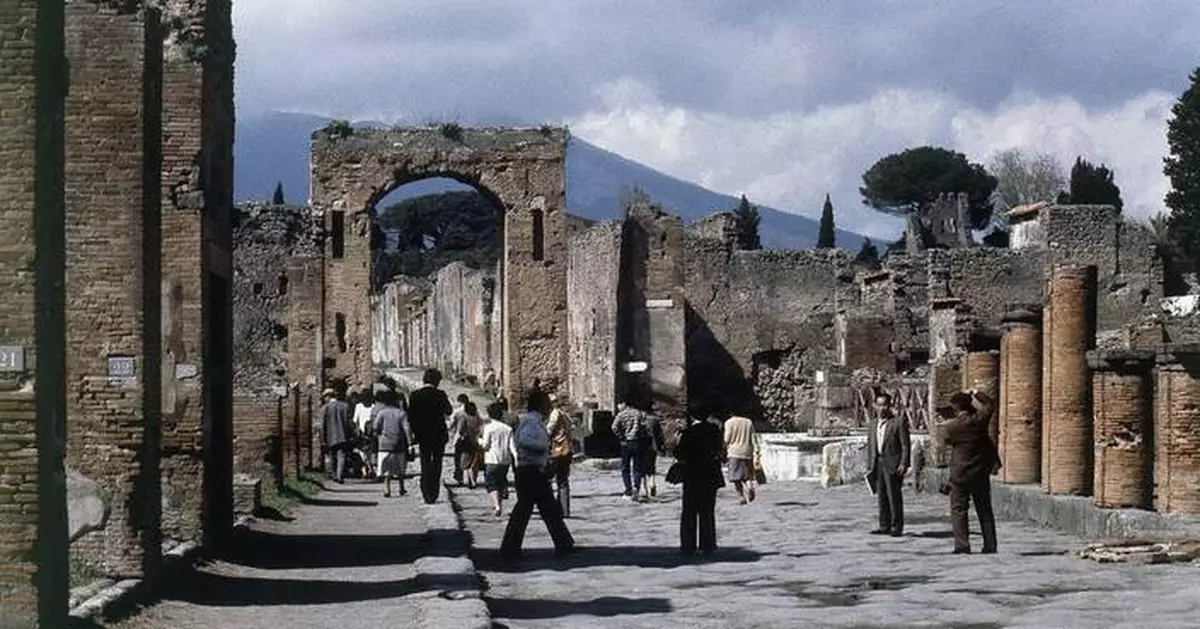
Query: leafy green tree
point(1182, 167)
point(277, 198)
point(910, 181)
point(747, 225)
point(868, 255)
point(827, 234)
point(1092, 185)
point(1171, 251)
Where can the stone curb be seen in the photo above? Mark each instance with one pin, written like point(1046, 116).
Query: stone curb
point(456, 597)
point(1076, 514)
point(103, 596)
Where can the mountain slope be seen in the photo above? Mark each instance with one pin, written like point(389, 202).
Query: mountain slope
point(275, 148)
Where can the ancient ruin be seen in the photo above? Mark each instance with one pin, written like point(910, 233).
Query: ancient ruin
point(162, 363)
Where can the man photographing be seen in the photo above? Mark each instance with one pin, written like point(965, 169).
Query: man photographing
point(973, 456)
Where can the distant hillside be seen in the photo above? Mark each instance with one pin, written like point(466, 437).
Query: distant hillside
point(275, 148)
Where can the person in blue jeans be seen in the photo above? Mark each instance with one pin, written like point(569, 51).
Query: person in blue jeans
point(632, 428)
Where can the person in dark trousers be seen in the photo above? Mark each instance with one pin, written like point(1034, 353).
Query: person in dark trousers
point(428, 410)
point(337, 428)
point(973, 456)
point(532, 443)
point(458, 423)
point(889, 446)
point(700, 451)
point(562, 448)
point(632, 428)
point(658, 443)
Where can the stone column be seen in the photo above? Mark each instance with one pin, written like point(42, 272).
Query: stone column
point(945, 377)
point(1067, 455)
point(114, 301)
point(1177, 433)
point(291, 433)
point(1020, 404)
point(306, 430)
point(1123, 425)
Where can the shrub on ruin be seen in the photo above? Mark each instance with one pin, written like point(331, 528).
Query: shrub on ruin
point(1092, 185)
point(747, 225)
point(451, 131)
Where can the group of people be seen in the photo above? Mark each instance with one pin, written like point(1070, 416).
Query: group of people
point(973, 458)
point(537, 446)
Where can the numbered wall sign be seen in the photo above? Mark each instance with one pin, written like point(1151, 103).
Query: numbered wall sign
point(12, 358)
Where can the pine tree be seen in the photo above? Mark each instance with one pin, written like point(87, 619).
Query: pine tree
point(1182, 167)
point(1093, 185)
point(868, 255)
point(827, 235)
point(277, 198)
point(747, 225)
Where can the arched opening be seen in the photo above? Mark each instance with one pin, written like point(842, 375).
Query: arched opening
point(437, 246)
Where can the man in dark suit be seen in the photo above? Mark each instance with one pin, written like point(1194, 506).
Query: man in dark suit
point(889, 446)
point(428, 408)
point(973, 456)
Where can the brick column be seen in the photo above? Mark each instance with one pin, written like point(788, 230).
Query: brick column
point(113, 311)
point(1070, 326)
point(306, 431)
point(981, 371)
point(33, 513)
point(256, 441)
point(1122, 431)
point(1177, 433)
point(945, 377)
point(1020, 403)
point(291, 434)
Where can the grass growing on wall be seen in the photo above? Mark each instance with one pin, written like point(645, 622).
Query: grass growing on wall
point(295, 491)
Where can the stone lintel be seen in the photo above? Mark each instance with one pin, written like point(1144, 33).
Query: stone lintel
point(1121, 360)
point(1022, 315)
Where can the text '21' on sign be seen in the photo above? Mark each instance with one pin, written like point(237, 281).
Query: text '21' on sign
point(12, 358)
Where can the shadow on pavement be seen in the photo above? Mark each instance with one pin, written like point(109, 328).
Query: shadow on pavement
point(259, 549)
point(489, 560)
point(205, 588)
point(604, 607)
point(325, 502)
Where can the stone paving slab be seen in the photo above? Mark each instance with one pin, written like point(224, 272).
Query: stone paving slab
point(800, 556)
point(350, 559)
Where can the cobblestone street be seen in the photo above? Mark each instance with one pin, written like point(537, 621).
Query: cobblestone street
point(800, 556)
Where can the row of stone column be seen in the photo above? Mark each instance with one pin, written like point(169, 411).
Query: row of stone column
point(1120, 426)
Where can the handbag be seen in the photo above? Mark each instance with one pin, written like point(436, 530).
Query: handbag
point(760, 475)
point(675, 473)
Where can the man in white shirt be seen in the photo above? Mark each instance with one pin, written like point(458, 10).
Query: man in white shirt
point(499, 452)
point(888, 445)
point(366, 430)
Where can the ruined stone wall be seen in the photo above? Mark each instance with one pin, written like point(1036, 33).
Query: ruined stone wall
point(385, 326)
point(276, 283)
point(197, 198)
point(988, 280)
point(651, 309)
point(113, 278)
point(520, 170)
point(458, 311)
point(743, 304)
point(592, 277)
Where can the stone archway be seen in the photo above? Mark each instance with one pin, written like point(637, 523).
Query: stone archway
point(521, 170)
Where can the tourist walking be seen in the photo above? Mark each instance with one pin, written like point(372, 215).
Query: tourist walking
point(365, 427)
point(428, 409)
point(466, 444)
point(391, 426)
point(632, 429)
point(699, 454)
point(499, 452)
point(336, 429)
point(458, 419)
point(533, 484)
point(889, 447)
point(561, 453)
point(740, 449)
point(973, 456)
point(650, 459)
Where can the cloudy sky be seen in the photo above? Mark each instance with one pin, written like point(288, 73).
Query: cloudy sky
point(780, 100)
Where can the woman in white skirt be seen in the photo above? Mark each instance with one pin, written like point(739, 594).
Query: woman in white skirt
point(391, 425)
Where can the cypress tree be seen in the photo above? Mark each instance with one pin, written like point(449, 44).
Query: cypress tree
point(827, 235)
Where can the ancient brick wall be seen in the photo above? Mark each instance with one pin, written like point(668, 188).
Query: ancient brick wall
point(1123, 425)
point(459, 309)
point(113, 278)
point(651, 311)
point(1069, 333)
point(1020, 401)
point(594, 266)
point(866, 342)
point(520, 170)
point(1177, 434)
point(257, 445)
point(747, 303)
point(197, 197)
point(988, 279)
point(981, 371)
point(386, 329)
